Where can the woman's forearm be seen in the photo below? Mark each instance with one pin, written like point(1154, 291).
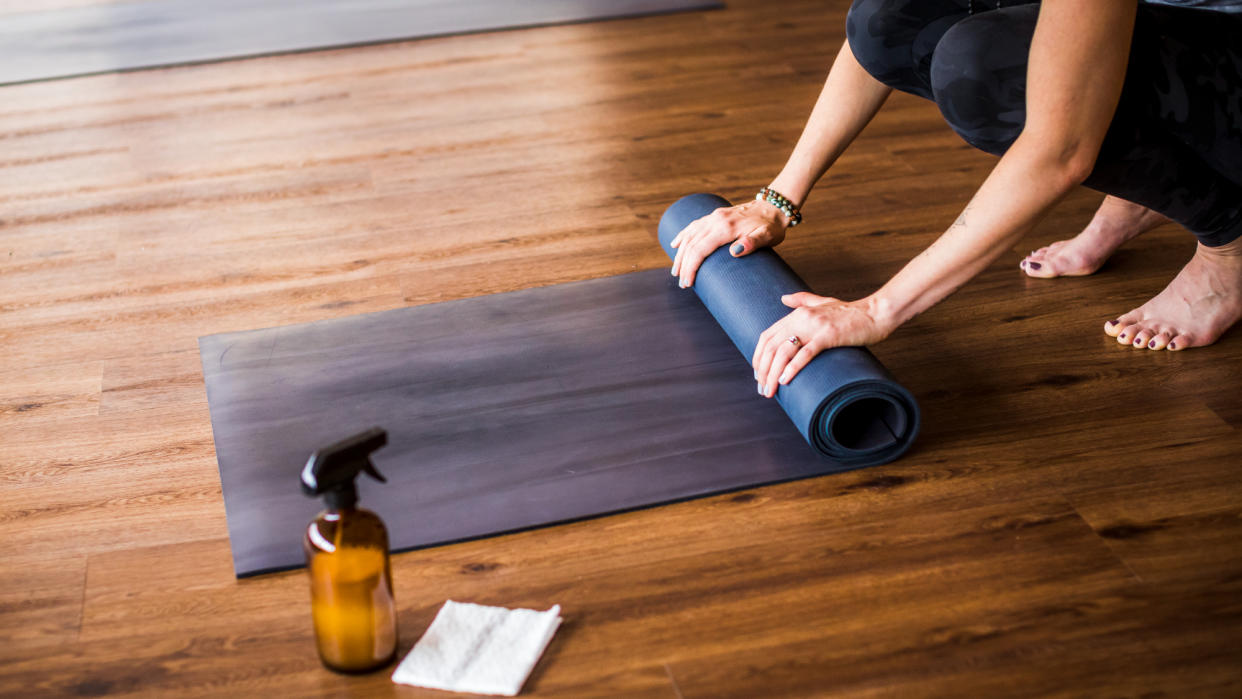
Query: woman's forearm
point(849, 100)
point(1023, 186)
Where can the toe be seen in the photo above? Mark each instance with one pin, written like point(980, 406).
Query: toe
point(1036, 263)
point(1112, 328)
point(1128, 330)
point(1180, 342)
point(1037, 268)
point(1142, 337)
point(1159, 342)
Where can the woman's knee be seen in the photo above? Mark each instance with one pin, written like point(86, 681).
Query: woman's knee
point(978, 76)
point(881, 34)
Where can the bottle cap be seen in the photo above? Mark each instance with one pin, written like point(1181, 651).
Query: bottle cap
point(331, 471)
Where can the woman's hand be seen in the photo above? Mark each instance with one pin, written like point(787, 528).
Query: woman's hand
point(744, 228)
point(819, 323)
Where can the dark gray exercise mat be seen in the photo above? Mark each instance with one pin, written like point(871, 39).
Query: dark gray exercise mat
point(504, 412)
point(73, 41)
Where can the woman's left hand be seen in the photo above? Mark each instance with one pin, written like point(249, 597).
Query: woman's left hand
point(818, 323)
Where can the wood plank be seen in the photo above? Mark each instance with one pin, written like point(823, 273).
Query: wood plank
point(1065, 526)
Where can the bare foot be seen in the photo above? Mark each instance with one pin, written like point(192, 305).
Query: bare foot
point(1195, 309)
point(1115, 222)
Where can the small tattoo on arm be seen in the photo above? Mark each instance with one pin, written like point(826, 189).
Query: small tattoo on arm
point(961, 220)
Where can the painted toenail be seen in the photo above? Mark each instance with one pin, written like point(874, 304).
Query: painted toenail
point(1123, 336)
point(1114, 322)
point(1152, 344)
point(1034, 265)
point(1172, 345)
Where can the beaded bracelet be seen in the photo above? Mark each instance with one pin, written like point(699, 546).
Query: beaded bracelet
point(781, 202)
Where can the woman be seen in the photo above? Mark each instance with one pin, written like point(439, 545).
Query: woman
point(1140, 101)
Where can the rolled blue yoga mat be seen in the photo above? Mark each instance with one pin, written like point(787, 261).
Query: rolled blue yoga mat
point(844, 402)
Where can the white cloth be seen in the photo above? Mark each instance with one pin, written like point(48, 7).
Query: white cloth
point(479, 649)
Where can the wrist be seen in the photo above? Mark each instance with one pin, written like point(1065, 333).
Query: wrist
point(771, 211)
point(790, 212)
point(794, 188)
point(884, 312)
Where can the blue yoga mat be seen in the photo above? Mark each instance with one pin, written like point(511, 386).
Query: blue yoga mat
point(844, 402)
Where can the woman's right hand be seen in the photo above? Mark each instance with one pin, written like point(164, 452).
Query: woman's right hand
point(744, 228)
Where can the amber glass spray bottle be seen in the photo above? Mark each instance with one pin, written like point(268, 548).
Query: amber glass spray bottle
point(347, 557)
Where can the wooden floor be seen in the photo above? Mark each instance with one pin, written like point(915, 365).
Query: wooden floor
point(1069, 523)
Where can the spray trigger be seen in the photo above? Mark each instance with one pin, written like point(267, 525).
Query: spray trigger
point(369, 469)
point(331, 470)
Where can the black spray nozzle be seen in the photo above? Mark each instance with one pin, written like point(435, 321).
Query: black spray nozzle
point(331, 471)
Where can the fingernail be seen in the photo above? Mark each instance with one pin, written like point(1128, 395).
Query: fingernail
point(784, 379)
point(737, 248)
point(1152, 344)
point(760, 387)
point(1033, 265)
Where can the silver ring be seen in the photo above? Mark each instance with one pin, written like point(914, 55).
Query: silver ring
point(793, 340)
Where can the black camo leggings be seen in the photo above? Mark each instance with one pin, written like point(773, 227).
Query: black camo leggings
point(1175, 143)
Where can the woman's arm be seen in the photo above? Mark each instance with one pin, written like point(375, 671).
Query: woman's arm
point(1075, 73)
point(849, 100)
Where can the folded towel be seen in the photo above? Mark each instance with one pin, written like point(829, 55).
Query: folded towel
point(479, 649)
